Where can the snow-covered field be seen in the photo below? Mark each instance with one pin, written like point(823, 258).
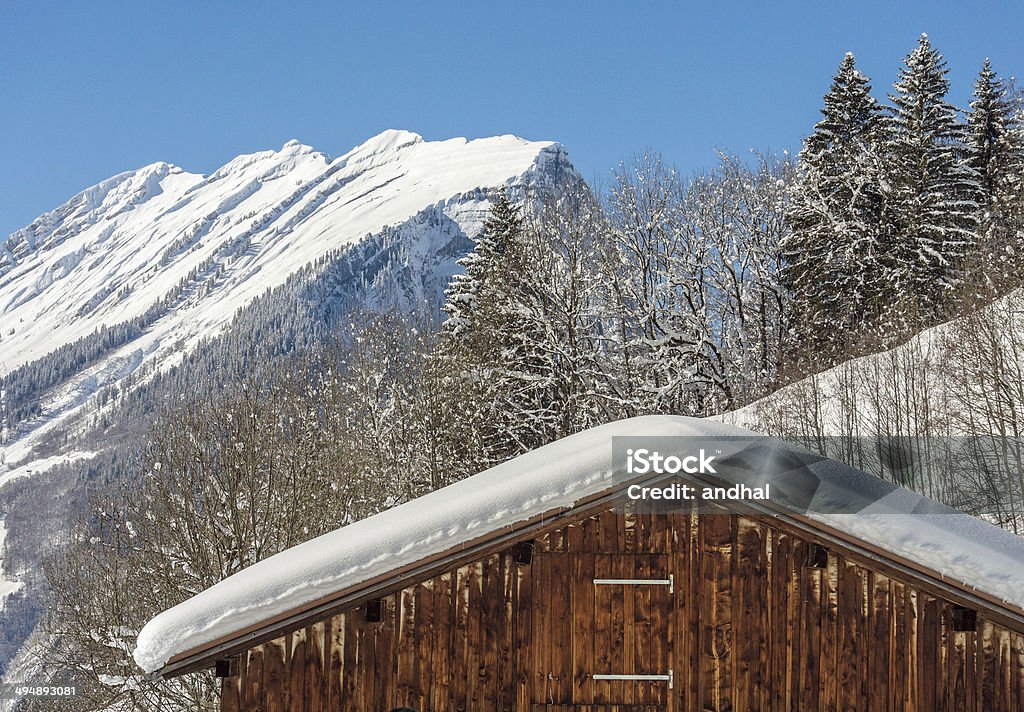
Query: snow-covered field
point(962, 377)
point(36, 466)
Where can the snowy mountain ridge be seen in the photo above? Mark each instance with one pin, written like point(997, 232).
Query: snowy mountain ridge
point(175, 254)
point(117, 248)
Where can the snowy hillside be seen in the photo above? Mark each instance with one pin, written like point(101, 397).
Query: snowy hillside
point(910, 389)
point(175, 254)
point(942, 413)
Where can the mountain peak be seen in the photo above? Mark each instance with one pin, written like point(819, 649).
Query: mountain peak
point(295, 146)
point(389, 140)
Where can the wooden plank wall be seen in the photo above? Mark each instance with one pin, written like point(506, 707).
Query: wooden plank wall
point(751, 627)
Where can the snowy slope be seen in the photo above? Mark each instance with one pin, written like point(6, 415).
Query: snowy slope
point(180, 253)
point(961, 377)
point(117, 248)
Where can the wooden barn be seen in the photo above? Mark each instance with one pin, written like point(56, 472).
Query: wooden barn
point(538, 585)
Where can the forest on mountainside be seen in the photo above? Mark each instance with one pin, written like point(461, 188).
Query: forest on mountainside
point(660, 294)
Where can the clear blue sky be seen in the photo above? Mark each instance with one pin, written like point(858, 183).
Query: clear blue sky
point(89, 89)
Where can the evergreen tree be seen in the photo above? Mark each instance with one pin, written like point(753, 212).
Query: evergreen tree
point(467, 296)
point(935, 192)
point(497, 326)
point(990, 127)
point(835, 255)
point(996, 153)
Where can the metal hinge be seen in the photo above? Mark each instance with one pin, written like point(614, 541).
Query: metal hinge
point(670, 582)
point(670, 678)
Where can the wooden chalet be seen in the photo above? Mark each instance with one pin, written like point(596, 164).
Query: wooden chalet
point(585, 603)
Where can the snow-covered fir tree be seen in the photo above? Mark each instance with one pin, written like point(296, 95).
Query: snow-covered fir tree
point(996, 153)
point(835, 256)
point(496, 325)
point(467, 295)
point(934, 191)
point(991, 124)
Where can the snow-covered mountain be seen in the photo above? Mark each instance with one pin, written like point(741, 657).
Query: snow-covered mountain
point(178, 253)
point(145, 270)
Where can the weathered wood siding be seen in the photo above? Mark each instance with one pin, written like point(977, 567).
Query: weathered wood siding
point(748, 627)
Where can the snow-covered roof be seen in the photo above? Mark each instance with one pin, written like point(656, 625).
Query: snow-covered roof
point(560, 475)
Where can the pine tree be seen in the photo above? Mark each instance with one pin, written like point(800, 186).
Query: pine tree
point(497, 327)
point(835, 255)
point(996, 153)
point(466, 295)
point(935, 192)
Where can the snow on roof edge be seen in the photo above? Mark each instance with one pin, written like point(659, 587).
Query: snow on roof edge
point(556, 475)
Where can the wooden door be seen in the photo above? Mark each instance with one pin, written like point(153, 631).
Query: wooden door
point(602, 632)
